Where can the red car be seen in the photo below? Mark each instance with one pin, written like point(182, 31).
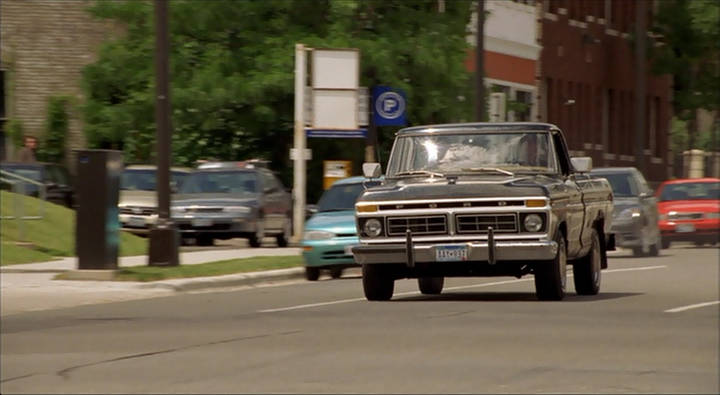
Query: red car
point(689, 210)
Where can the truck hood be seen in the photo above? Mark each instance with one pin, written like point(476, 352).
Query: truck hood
point(138, 198)
point(413, 188)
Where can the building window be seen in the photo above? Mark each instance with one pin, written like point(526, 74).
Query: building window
point(522, 105)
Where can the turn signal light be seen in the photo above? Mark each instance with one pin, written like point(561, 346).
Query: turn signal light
point(535, 203)
point(367, 208)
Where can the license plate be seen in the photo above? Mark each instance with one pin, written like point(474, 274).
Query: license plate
point(684, 228)
point(202, 222)
point(136, 221)
point(348, 250)
point(451, 253)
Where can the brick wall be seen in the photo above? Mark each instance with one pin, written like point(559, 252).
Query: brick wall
point(44, 46)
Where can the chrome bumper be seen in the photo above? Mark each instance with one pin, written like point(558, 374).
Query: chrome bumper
point(477, 251)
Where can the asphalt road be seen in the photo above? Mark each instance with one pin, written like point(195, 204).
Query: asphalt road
point(644, 333)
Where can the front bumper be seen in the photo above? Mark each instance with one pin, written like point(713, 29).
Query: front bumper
point(476, 252)
point(215, 225)
point(137, 224)
point(330, 252)
point(706, 229)
point(627, 233)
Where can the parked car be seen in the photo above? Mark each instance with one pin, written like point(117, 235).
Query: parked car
point(330, 233)
point(483, 199)
point(635, 212)
point(689, 210)
point(137, 203)
point(58, 183)
point(223, 200)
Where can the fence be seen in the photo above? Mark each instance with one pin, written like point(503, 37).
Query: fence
point(19, 187)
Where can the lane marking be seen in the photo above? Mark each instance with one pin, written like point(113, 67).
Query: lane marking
point(692, 306)
point(341, 301)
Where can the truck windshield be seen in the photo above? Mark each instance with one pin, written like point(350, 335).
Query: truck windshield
point(500, 154)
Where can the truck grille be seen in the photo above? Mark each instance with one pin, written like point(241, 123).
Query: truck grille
point(136, 210)
point(430, 225)
point(686, 216)
point(479, 223)
point(204, 209)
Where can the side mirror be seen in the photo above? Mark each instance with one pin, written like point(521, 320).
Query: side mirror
point(582, 164)
point(310, 210)
point(372, 170)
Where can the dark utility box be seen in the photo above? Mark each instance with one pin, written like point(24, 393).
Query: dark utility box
point(97, 226)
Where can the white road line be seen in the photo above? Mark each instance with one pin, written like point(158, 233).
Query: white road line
point(692, 306)
point(311, 305)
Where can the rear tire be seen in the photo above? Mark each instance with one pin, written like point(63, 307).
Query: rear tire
point(665, 244)
point(587, 270)
point(336, 272)
point(637, 251)
point(431, 285)
point(312, 273)
point(204, 241)
point(378, 283)
point(551, 276)
point(283, 239)
point(655, 248)
point(255, 240)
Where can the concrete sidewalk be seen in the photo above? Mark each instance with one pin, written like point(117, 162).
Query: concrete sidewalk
point(28, 287)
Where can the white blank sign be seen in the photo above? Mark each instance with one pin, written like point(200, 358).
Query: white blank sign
point(333, 109)
point(335, 69)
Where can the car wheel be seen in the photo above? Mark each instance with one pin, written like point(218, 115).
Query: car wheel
point(336, 272)
point(587, 270)
point(255, 240)
point(638, 251)
point(378, 282)
point(551, 276)
point(431, 285)
point(655, 248)
point(665, 244)
point(204, 241)
point(312, 273)
point(283, 239)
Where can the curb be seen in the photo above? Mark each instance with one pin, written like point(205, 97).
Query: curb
point(229, 280)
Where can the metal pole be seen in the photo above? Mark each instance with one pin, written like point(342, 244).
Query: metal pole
point(163, 237)
point(640, 83)
point(480, 112)
point(299, 160)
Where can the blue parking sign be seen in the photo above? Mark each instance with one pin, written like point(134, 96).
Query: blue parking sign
point(389, 106)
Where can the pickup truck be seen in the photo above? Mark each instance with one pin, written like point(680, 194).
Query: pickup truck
point(483, 199)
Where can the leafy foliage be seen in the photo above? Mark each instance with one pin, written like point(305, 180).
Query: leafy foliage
point(52, 148)
point(16, 132)
point(232, 70)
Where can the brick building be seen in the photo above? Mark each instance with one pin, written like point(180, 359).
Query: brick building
point(584, 76)
point(44, 44)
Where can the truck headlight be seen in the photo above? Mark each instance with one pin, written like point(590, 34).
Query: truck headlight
point(372, 227)
point(533, 223)
point(318, 235)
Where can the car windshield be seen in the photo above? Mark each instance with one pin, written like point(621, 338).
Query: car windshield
point(342, 197)
point(622, 184)
point(240, 182)
point(465, 153)
point(691, 191)
point(144, 179)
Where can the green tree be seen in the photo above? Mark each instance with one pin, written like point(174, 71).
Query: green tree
point(689, 49)
point(52, 147)
point(232, 70)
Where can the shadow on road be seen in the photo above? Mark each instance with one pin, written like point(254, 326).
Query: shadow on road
point(510, 297)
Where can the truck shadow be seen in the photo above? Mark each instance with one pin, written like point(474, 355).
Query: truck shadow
point(510, 297)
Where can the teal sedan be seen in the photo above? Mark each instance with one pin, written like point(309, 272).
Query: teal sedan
point(330, 232)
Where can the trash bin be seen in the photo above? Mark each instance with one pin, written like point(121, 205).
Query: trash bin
point(97, 226)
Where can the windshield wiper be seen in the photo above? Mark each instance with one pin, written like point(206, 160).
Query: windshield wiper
point(420, 172)
point(495, 169)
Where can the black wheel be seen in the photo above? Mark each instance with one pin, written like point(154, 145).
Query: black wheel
point(336, 272)
point(378, 282)
point(638, 251)
point(655, 248)
point(431, 285)
point(551, 276)
point(312, 273)
point(587, 270)
point(255, 239)
point(283, 239)
point(204, 241)
point(665, 244)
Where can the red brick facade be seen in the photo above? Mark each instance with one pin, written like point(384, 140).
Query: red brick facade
point(589, 58)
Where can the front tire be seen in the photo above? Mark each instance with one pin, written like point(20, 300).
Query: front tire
point(551, 276)
point(283, 239)
point(336, 272)
point(256, 238)
point(587, 270)
point(204, 241)
point(378, 283)
point(312, 273)
point(431, 285)
point(665, 244)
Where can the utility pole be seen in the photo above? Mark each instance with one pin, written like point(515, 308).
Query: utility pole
point(640, 82)
point(164, 237)
point(300, 157)
point(480, 113)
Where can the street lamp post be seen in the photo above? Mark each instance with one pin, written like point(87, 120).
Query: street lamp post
point(164, 237)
